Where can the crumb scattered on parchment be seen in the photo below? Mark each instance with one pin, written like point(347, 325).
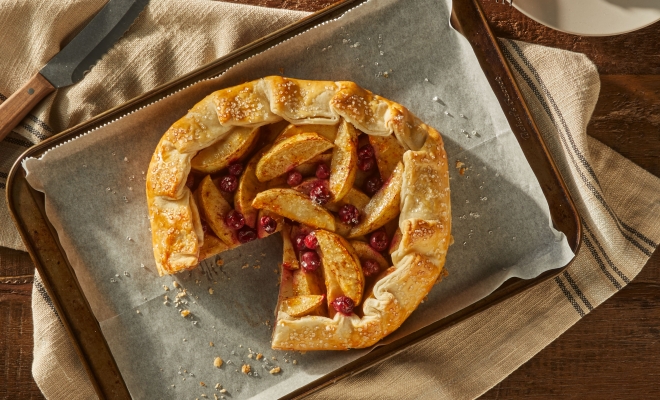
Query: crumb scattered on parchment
point(246, 368)
point(259, 356)
point(182, 293)
point(215, 396)
point(223, 390)
point(250, 355)
point(137, 311)
point(273, 358)
point(275, 370)
point(165, 288)
point(185, 313)
point(218, 386)
point(211, 344)
point(217, 362)
point(202, 384)
point(210, 290)
point(246, 265)
point(176, 284)
point(460, 166)
point(295, 362)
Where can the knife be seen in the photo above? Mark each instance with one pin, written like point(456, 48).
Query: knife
point(73, 61)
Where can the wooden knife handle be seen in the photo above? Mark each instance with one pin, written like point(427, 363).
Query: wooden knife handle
point(19, 104)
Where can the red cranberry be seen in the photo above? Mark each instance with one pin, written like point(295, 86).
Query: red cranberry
point(311, 242)
point(344, 305)
point(190, 181)
point(379, 241)
point(349, 214)
point(366, 151)
point(228, 183)
point(310, 261)
point(299, 242)
point(366, 164)
point(373, 185)
point(370, 267)
point(236, 168)
point(294, 178)
point(322, 171)
point(234, 219)
point(246, 234)
point(320, 194)
point(269, 224)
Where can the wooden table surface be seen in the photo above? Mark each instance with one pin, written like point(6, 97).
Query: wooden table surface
point(613, 352)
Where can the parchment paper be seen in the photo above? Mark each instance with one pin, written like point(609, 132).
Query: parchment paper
point(402, 50)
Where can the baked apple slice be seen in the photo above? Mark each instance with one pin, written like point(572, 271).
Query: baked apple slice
point(365, 253)
point(344, 161)
point(309, 168)
point(289, 259)
point(354, 197)
point(396, 240)
point(211, 246)
point(341, 268)
point(248, 188)
point(295, 206)
point(327, 131)
point(388, 152)
point(213, 208)
point(310, 183)
point(306, 283)
point(383, 207)
point(300, 306)
point(290, 153)
point(232, 147)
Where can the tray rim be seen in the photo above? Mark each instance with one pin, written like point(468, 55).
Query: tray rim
point(102, 383)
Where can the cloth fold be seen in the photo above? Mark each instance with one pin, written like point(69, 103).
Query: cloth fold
point(619, 202)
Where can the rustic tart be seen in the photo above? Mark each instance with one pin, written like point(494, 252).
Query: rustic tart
point(356, 184)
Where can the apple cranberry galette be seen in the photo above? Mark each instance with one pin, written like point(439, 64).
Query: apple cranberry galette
point(357, 186)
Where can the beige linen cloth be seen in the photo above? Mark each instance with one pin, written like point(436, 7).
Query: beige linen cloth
point(618, 201)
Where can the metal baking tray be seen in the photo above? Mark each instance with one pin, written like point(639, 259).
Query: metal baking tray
point(27, 205)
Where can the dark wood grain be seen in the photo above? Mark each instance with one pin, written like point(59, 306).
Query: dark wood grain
point(613, 352)
point(16, 340)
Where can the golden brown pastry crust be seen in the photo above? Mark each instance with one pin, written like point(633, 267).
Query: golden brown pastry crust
point(425, 219)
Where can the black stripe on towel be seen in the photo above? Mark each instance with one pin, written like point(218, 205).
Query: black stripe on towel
point(569, 296)
point(581, 157)
point(40, 123)
point(594, 253)
point(577, 290)
point(33, 131)
point(605, 256)
point(588, 184)
point(17, 142)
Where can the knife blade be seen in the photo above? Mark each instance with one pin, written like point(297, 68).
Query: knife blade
point(71, 63)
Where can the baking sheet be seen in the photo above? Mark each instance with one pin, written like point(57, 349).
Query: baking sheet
point(402, 50)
